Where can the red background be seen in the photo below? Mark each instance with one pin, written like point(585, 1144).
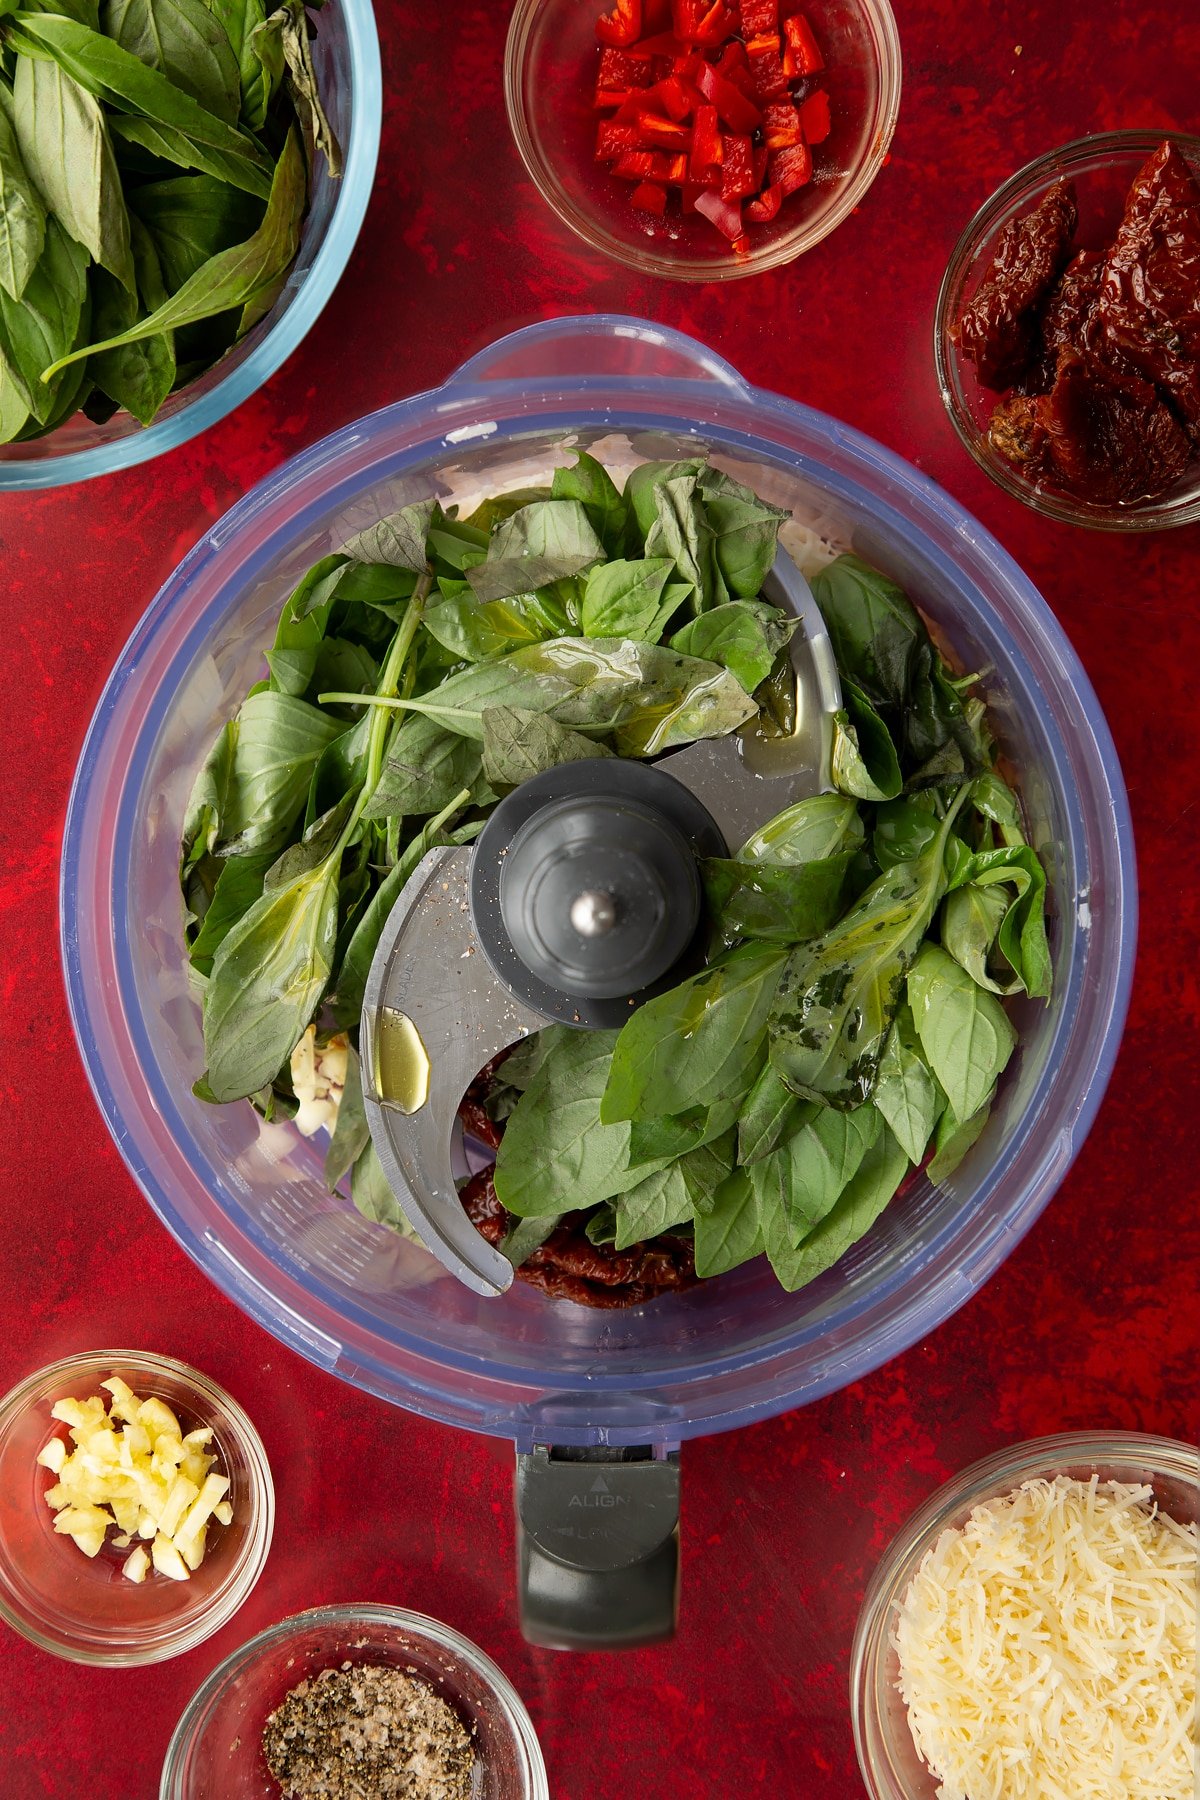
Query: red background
point(1091, 1323)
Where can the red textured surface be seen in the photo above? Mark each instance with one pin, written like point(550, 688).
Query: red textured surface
point(1092, 1322)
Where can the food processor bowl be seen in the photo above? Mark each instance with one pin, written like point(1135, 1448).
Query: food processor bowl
point(246, 1199)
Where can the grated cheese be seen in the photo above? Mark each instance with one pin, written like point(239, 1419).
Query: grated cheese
point(1047, 1648)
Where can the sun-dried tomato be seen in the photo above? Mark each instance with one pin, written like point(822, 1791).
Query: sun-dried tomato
point(997, 328)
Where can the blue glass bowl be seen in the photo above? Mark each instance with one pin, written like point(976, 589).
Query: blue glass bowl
point(346, 54)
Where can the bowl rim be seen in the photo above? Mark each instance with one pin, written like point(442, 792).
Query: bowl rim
point(1002, 1471)
point(1065, 158)
point(355, 185)
point(351, 1615)
point(430, 1377)
point(241, 1578)
point(728, 267)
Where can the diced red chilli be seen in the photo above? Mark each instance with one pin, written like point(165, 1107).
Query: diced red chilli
point(766, 206)
point(803, 45)
point(791, 168)
point(737, 168)
point(642, 165)
point(814, 117)
point(766, 69)
point(613, 139)
point(732, 105)
point(606, 98)
point(781, 125)
point(662, 134)
point(758, 16)
point(707, 153)
point(622, 69)
point(649, 198)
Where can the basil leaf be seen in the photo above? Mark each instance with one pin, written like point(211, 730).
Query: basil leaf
point(475, 633)
point(743, 636)
point(654, 1205)
point(268, 977)
point(905, 1092)
point(351, 1133)
point(190, 218)
point(677, 1135)
point(525, 1236)
point(400, 539)
point(556, 1149)
point(239, 885)
point(992, 796)
point(781, 904)
point(14, 411)
point(290, 23)
point(1022, 936)
point(45, 321)
point(538, 544)
point(904, 829)
point(137, 376)
point(590, 483)
point(233, 276)
point(802, 1180)
point(426, 766)
point(239, 20)
point(965, 1033)
point(809, 831)
point(770, 1111)
point(745, 535)
point(518, 744)
point(875, 630)
point(277, 741)
point(864, 757)
point(838, 995)
point(641, 486)
point(624, 599)
point(681, 531)
point(732, 1232)
point(64, 140)
point(971, 920)
point(169, 144)
point(954, 1139)
point(112, 74)
point(864, 1197)
point(22, 215)
point(372, 1194)
point(488, 514)
point(698, 1043)
point(209, 798)
point(184, 41)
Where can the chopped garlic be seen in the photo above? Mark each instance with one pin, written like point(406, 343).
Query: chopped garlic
point(134, 1468)
point(1048, 1648)
point(318, 1080)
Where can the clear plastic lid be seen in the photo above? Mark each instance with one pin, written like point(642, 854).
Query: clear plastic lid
point(246, 1199)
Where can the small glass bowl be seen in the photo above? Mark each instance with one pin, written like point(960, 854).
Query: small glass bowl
point(1103, 168)
point(549, 78)
point(217, 1746)
point(83, 1607)
point(887, 1756)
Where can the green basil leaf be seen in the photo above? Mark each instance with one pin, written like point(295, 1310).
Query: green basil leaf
point(290, 22)
point(426, 766)
point(743, 636)
point(955, 1138)
point(45, 321)
point(839, 995)
point(351, 1133)
point(168, 144)
point(314, 848)
point(472, 632)
point(905, 1092)
point(191, 218)
point(64, 140)
point(518, 744)
point(655, 1205)
point(624, 599)
point(232, 276)
point(277, 742)
point(875, 631)
point(209, 798)
point(1022, 936)
point(965, 1033)
point(400, 539)
point(972, 917)
point(698, 1043)
point(803, 1179)
point(641, 486)
point(745, 535)
point(137, 376)
point(258, 77)
point(343, 666)
point(268, 977)
point(809, 831)
point(860, 1203)
point(681, 531)
point(904, 829)
point(590, 483)
point(706, 1168)
point(239, 885)
point(992, 796)
point(488, 514)
point(652, 1140)
point(770, 1111)
point(536, 545)
point(184, 41)
point(864, 757)
point(732, 1232)
point(22, 215)
point(779, 903)
point(14, 410)
point(556, 1149)
point(525, 1236)
point(372, 1194)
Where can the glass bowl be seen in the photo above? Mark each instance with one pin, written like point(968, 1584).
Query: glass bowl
point(1103, 169)
point(887, 1756)
point(248, 1200)
point(346, 54)
point(549, 77)
point(217, 1746)
point(84, 1608)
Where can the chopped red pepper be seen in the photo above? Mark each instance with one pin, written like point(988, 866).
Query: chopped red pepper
point(758, 16)
point(726, 215)
point(761, 153)
point(622, 26)
point(649, 198)
point(781, 125)
point(737, 168)
point(803, 45)
point(791, 168)
point(618, 69)
point(766, 68)
point(741, 245)
point(707, 151)
point(735, 110)
point(662, 134)
point(613, 139)
point(663, 43)
point(619, 97)
point(766, 206)
point(814, 117)
point(643, 165)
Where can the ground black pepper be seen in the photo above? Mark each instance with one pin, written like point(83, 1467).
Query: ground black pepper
point(367, 1732)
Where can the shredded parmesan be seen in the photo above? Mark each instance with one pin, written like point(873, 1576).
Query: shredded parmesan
point(1048, 1648)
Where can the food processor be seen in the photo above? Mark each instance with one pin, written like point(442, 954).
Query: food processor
point(597, 1404)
